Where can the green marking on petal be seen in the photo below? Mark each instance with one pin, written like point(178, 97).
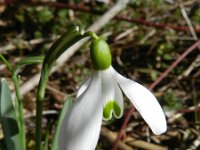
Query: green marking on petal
point(110, 107)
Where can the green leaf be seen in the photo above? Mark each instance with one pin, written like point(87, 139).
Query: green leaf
point(28, 61)
point(67, 105)
point(12, 140)
point(73, 35)
point(31, 60)
point(69, 38)
point(2, 58)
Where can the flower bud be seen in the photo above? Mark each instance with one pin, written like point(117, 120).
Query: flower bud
point(100, 54)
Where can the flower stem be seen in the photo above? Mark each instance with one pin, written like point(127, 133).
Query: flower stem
point(20, 113)
point(39, 107)
point(19, 104)
point(6, 62)
point(91, 34)
point(73, 35)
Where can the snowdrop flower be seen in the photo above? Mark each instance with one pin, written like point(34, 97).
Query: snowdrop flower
point(101, 96)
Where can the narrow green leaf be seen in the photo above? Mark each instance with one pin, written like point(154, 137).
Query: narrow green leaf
point(67, 105)
point(68, 39)
point(28, 61)
point(73, 35)
point(31, 60)
point(12, 140)
point(6, 62)
point(46, 141)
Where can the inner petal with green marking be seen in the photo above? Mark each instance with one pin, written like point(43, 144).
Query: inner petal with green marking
point(110, 107)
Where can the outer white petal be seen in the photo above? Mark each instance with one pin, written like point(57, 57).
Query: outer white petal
point(83, 87)
point(112, 96)
point(81, 126)
point(145, 103)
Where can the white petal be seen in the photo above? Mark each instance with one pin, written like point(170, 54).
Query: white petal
point(112, 96)
point(145, 102)
point(83, 87)
point(81, 126)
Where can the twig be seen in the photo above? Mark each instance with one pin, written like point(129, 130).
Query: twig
point(111, 136)
point(147, 36)
point(191, 28)
point(158, 80)
point(54, 90)
point(109, 15)
point(25, 44)
point(122, 129)
point(156, 25)
point(46, 112)
point(174, 64)
point(123, 18)
point(125, 33)
point(144, 145)
point(184, 3)
point(195, 144)
point(194, 64)
point(181, 112)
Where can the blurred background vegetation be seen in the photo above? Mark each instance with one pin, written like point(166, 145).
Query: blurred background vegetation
point(145, 39)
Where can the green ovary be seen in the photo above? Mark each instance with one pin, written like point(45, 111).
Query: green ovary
point(100, 54)
point(111, 105)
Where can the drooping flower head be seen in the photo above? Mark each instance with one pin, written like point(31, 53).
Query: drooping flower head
point(99, 97)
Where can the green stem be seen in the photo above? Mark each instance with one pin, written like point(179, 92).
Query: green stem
point(20, 112)
point(19, 104)
point(46, 142)
point(6, 62)
point(91, 34)
point(39, 106)
point(69, 38)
